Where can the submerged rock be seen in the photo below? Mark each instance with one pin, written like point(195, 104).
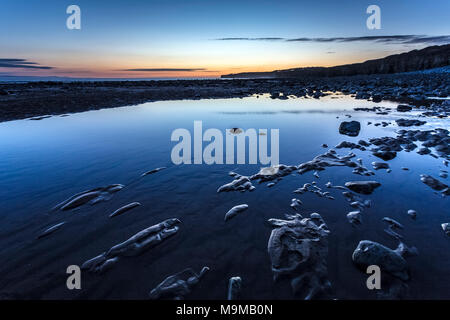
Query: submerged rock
point(363, 187)
point(50, 230)
point(409, 122)
point(153, 171)
point(295, 203)
point(124, 209)
point(273, 173)
point(385, 155)
point(372, 253)
point(235, 210)
point(380, 165)
point(446, 228)
point(234, 288)
point(354, 217)
point(298, 249)
point(178, 285)
point(135, 245)
point(328, 159)
point(241, 183)
point(435, 184)
point(93, 196)
point(403, 108)
point(412, 213)
point(350, 128)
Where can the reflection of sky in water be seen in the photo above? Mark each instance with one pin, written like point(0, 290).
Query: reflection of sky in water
point(44, 162)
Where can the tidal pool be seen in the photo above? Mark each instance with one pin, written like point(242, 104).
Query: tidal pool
point(44, 162)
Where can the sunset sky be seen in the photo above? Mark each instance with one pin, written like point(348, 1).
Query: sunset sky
point(207, 38)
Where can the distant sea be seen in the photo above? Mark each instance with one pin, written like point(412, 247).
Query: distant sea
point(17, 79)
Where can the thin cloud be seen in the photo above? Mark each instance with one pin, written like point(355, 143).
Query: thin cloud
point(251, 39)
point(392, 39)
point(21, 63)
point(164, 69)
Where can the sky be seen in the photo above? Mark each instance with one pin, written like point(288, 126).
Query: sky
point(207, 38)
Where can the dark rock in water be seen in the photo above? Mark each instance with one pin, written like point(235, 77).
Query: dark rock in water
point(350, 145)
point(423, 151)
point(236, 131)
point(446, 228)
point(403, 108)
point(40, 118)
point(380, 165)
point(363, 187)
point(178, 285)
point(351, 128)
point(393, 223)
point(372, 253)
point(363, 143)
point(295, 204)
point(385, 155)
point(93, 196)
point(354, 217)
point(328, 159)
point(124, 209)
point(376, 98)
point(234, 288)
point(298, 249)
point(153, 171)
point(50, 230)
point(135, 245)
point(324, 145)
point(273, 173)
point(241, 183)
point(235, 210)
point(409, 122)
point(412, 213)
point(435, 184)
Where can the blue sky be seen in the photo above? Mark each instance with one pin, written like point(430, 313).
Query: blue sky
point(119, 36)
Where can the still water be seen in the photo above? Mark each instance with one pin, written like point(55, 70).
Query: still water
point(45, 162)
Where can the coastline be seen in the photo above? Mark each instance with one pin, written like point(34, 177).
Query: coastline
point(37, 99)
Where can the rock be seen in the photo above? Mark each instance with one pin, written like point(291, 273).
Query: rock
point(328, 159)
point(380, 165)
point(423, 151)
point(93, 196)
point(324, 145)
point(153, 171)
point(350, 145)
point(235, 210)
point(363, 187)
point(351, 128)
point(124, 209)
point(135, 245)
point(435, 184)
point(50, 230)
point(393, 223)
point(273, 173)
point(409, 122)
point(412, 213)
point(178, 285)
point(385, 155)
point(372, 253)
point(446, 228)
point(295, 203)
point(298, 250)
point(403, 108)
point(241, 183)
point(354, 217)
point(234, 288)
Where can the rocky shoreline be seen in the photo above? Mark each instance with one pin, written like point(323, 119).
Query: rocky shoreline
point(38, 99)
